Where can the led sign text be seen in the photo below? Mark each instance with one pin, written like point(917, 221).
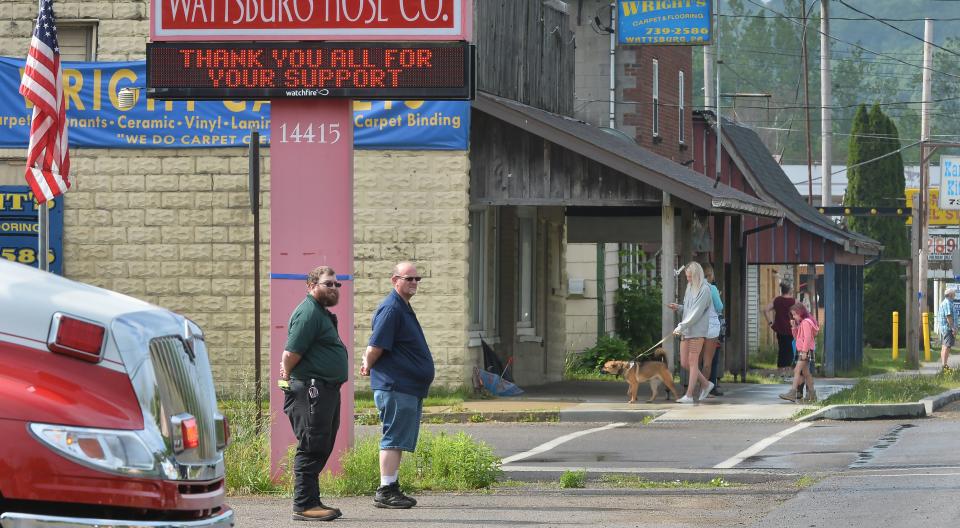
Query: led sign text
point(262, 70)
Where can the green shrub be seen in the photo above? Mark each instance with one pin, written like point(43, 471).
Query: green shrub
point(247, 458)
point(593, 358)
point(573, 479)
point(638, 302)
point(441, 462)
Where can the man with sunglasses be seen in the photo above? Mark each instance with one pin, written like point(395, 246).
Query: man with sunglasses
point(401, 370)
point(312, 369)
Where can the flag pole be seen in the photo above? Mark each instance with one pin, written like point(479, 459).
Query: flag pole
point(43, 236)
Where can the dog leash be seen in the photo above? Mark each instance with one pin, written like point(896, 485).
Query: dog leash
point(658, 343)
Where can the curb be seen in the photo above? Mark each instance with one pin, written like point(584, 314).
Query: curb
point(932, 403)
point(868, 411)
point(478, 416)
point(521, 473)
point(612, 415)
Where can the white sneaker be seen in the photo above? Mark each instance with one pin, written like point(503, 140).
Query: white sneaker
point(706, 391)
point(685, 399)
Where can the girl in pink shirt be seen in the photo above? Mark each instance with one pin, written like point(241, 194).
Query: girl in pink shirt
point(805, 330)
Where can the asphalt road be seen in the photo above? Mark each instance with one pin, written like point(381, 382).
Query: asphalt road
point(888, 473)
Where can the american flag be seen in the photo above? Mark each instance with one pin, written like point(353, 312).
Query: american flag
point(48, 158)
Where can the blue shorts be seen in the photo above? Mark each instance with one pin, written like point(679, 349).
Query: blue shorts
point(400, 415)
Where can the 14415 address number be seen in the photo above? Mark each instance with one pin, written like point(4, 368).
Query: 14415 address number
point(322, 133)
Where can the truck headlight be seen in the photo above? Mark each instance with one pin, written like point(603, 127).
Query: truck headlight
point(113, 450)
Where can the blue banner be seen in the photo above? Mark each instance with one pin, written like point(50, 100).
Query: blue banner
point(96, 121)
point(664, 22)
point(19, 228)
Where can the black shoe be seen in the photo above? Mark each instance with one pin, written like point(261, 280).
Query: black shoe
point(390, 496)
point(716, 391)
point(317, 513)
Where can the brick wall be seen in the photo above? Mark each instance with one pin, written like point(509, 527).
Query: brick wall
point(637, 82)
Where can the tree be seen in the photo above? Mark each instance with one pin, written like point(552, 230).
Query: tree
point(877, 183)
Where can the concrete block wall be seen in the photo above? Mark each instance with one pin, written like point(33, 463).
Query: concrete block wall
point(414, 206)
point(174, 228)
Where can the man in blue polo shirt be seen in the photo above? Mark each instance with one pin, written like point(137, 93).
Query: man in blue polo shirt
point(400, 367)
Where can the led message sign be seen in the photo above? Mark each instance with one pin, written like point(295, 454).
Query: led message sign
point(265, 70)
point(217, 20)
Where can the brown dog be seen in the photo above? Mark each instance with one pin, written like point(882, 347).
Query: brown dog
point(637, 372)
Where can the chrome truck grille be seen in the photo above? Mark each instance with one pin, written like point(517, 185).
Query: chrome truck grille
point(182, 390)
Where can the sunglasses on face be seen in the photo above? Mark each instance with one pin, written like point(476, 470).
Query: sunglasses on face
point(409, 279)
point(330, 284)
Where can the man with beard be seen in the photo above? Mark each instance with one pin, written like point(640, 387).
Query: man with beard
point(314, 366)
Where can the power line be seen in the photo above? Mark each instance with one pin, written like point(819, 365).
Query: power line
point(855, 45)
point(845, 18)
point(921, 39)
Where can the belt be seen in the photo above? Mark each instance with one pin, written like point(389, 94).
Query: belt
point(321, 383)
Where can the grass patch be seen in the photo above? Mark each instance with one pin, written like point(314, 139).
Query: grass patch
point(573, 479)
point(247, 458)
point(905, 389)
point(877, 361)
point(442, 462)
point(637, 482)
point(806, 481)
point(574, 374)
point(438, 397)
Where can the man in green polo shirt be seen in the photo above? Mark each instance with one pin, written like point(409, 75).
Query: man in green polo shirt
point(314, 366)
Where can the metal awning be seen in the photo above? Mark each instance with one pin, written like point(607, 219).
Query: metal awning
point(625, 156)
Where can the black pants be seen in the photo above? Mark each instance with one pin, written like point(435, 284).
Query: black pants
point(315, 421)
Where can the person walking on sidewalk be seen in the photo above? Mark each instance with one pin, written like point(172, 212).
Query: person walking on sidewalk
point(312, 369)
point(777, 314)
point(401, 370)
point(711, 360)
point(805, 330)
point(693, 330)
point(947, 327)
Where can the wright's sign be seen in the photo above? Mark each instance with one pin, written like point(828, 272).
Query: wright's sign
point(380, 20)
point(664, 22)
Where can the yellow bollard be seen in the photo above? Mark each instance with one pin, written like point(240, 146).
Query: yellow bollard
point(926, 336)
point(896, 334)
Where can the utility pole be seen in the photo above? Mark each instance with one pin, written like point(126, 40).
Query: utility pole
point(709, 59)
point(923, 193)
point(826, 112)
point(806, 98)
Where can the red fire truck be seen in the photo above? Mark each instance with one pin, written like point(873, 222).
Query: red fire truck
point(108, 415)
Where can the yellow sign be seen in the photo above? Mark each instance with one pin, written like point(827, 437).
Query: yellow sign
point(937, 216)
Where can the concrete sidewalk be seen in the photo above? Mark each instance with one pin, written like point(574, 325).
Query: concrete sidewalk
point(606, 401)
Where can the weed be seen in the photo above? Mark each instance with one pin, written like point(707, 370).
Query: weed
point(719, 482)
point(441, 462)
point(367, 418)
point(573, 479)
point(247, 458)
point(806, 481)
point(477, 418)
point(637, 482)
point(647, 419)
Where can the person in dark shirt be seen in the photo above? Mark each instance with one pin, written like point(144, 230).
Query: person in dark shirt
point(401, 370)
point(314, 366)
point(777, 314)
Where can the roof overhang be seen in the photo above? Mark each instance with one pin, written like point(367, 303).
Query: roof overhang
point(627, 157)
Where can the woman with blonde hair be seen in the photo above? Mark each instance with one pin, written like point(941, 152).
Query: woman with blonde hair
point(693, 330)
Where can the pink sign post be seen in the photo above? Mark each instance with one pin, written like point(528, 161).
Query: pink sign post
point(311, 224)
